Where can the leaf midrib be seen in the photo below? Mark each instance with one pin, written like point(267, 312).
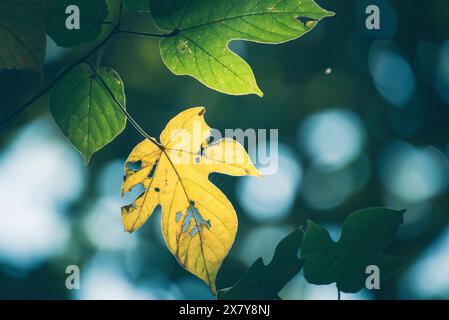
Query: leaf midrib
point(181, 30)
point(216, 59)
point(194, 218)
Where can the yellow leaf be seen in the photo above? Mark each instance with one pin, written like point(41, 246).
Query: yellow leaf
point(199, 223)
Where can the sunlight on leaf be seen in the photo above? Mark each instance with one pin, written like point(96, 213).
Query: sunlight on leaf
point(199, 223)
point(202, 29)
point(84, 110)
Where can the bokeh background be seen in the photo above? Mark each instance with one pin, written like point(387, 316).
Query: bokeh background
point(363, 119)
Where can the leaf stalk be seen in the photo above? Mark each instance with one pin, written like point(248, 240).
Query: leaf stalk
point(124, 111)
point(101, 45)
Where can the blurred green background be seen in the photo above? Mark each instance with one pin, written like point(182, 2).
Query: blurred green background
point(363, 121)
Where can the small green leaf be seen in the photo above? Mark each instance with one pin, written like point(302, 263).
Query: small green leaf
point(202, 29)
point(85, 111)
point(22, 34)
point(92, 15)
point(136, 5)
point(264, 282)
point(364, 235)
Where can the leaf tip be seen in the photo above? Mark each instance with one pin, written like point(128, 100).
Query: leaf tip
point(212, 286)
point(402, 212)
point(257, 173)
point(127, 225)
point(309, 222)
point(86, 159)
point(255, 90)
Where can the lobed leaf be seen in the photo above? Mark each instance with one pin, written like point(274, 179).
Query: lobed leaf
point(263, 282)
point(199, 223)
point(202, 29)
point(364, 235)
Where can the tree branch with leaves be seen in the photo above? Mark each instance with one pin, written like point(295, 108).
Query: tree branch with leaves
point(199, 224)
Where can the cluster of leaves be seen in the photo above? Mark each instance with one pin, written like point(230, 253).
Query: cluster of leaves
point(199, 223)
point(88, 101)
point(364, 235)
point(194, 42)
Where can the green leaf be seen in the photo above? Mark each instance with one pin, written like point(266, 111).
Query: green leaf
point(136, 5)
point(85, 111)
point(113, 7)
point(201, 30)
point(92, 15)
point(22, 34)
point(320, 253)
point(264, 282)
point(364, 236)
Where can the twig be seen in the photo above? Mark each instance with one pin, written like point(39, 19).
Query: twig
point(109, 23)
point(124, 111)
point(102, 45)
point(100, 55)
point(34, 98)
point(146, 34)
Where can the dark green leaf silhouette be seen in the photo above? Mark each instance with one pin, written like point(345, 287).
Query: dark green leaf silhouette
point(92, 15)
point(137, 5)
point(263, 282)
point(364, 235)
point(22, 34)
